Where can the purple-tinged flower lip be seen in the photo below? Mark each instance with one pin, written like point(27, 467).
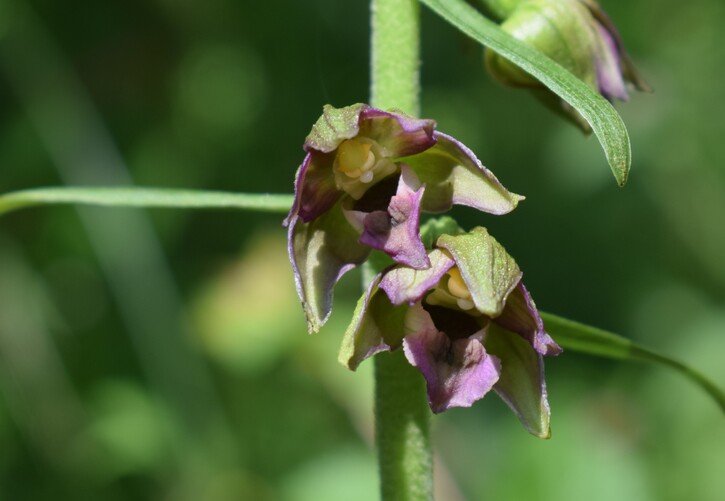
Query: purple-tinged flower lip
point(457, 372)
point(455, 323)
point(521, 316)
point(395, 231)
point(407, 285)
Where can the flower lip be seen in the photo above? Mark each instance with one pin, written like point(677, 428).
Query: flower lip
point(455, 324)
point(405, 285)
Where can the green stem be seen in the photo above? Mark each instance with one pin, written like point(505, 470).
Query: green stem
point(402, 416)
point(395, 58)
point(402, 430)
point(145, 197)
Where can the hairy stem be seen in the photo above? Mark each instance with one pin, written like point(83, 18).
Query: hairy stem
point(402, 416)
point(145, 197)
point(395, 47)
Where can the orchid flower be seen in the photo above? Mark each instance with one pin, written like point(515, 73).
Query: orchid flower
point(366, 178)
point(467, 323)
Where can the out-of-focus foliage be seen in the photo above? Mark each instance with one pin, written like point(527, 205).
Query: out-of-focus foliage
point(170, 360)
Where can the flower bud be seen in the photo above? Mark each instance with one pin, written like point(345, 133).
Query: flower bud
point(579, 36)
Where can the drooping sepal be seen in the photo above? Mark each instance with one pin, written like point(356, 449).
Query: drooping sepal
point(521, 384)
point(321, 252)
point(376, 326)
point(521, 316)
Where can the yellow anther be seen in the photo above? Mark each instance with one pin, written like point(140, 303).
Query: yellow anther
point(355, 159)
point(456, 285)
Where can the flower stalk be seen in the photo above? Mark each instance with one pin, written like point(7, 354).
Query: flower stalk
point(402, 415)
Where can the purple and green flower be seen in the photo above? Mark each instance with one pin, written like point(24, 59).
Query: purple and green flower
point(367, 176)
point(467, 323)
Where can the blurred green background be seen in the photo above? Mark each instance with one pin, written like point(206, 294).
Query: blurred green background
point(163, 355)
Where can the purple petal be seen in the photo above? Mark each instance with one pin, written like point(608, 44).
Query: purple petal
point(626, 65)
point(521, 316)
point(609, 73)
point(521, 384)
point(395, 232)
point(406, 285)
point(457, 373)
point(453, 175)
point(399, 134)
point(315, 190)
point(321, 252)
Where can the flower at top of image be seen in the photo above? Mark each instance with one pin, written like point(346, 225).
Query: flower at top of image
point(366, 177)
point(579, 36)
point(467, 323)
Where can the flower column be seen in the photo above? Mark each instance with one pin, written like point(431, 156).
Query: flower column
point(401, 410)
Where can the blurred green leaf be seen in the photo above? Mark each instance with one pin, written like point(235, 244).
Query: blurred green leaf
point(603, 118)
point(583, 338)
point(145, 197)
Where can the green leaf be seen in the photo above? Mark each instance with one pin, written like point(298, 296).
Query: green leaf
point(145, 197)
point(583, 338)
point(601, 116)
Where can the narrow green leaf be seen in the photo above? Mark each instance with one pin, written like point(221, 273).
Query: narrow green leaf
point(145, 197)
point(603, 118)
point(583, 338)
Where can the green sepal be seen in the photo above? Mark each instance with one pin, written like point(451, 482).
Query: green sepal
point(454, 176)
point(322, 251)
point(333, 127)
point(376, 326)
point(435, 227)
point(489, 271)
point(521, 384)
